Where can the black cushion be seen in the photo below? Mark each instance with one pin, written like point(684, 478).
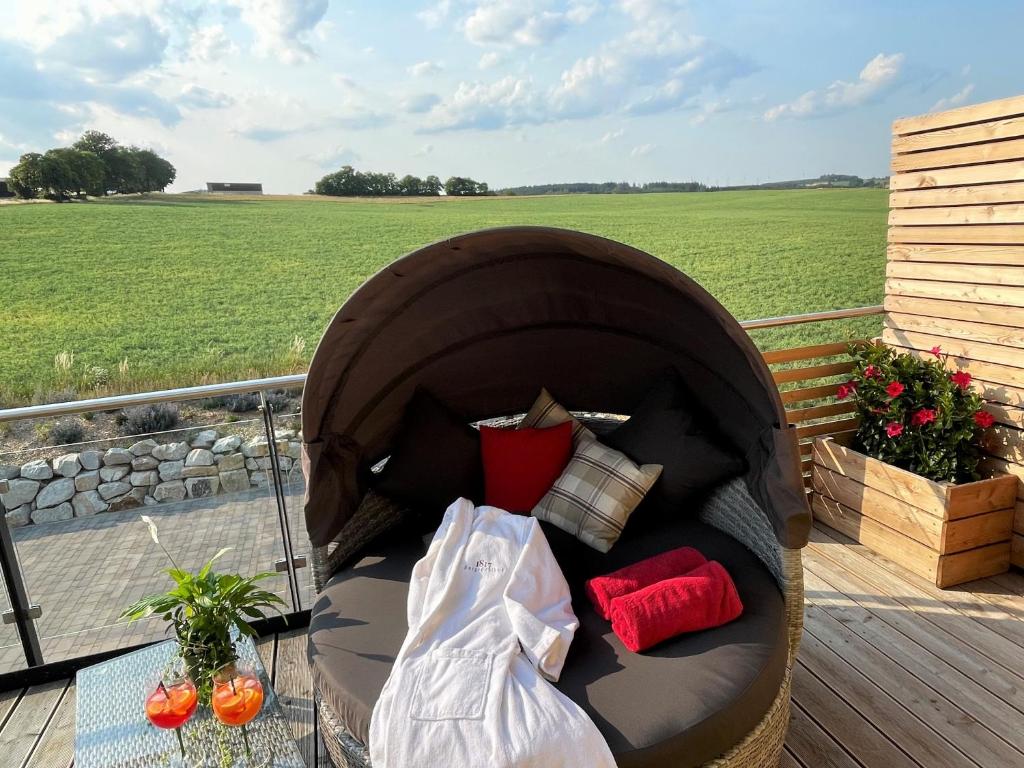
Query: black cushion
point(435, 459)
point(666, 429)
point(681, 704)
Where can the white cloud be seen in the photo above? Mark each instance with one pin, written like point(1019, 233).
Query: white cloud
point(344, 81)
point(110, 47)
point(611, 136)
point(875, 80)
point(211, 43)
point(419, 103)
point(509, 101)
point(282, 28)
point(490, 60)
point(516, 23)
point(268, 116)
point(198, 97)
point(423, 151)
point(334, 158)
point(955, 100)
point(435, 15)
point(642, 150)
point(424, 68)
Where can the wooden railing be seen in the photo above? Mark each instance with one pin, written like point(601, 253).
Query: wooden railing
point(808, 377)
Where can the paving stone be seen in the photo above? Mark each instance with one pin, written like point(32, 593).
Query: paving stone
point(199, 457)
point(227, 444)
point(56, 492)
point(113, 474)
point(53, 514)
point(21, 491)
point(87, 481)
point(88, 503)
point(111, 490)
point(116, 456)
point(67, 465)
point(171, 451)
point(36, 470)
point(171, 470)
point(90, 459)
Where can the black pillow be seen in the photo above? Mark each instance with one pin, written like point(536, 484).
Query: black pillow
point(435, 459)
point(665, 430)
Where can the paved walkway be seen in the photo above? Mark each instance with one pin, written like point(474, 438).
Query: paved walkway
point(83, 572)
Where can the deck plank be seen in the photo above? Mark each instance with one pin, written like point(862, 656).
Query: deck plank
point(28, 722)
point(813, 746)
point(294, 685)
point(56, 747)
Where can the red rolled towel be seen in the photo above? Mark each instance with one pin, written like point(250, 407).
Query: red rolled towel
point(704, 598)
point(603, 589)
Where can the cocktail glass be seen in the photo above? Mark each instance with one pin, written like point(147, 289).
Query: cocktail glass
point(237, 698)
point(170, 704)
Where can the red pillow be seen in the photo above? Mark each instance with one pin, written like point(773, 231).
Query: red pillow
point(521, 465)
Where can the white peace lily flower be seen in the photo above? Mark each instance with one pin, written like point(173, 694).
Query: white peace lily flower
point(152, 528)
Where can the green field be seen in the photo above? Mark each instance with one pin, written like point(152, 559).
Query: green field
point(192, 289)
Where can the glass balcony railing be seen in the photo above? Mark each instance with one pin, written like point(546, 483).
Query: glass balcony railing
point(213, 466)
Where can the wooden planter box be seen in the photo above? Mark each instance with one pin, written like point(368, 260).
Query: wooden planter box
point(946, 533)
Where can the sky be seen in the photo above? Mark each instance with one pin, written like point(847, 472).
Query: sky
point(509, 92)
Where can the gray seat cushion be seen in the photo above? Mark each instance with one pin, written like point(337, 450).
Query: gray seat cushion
point(680, 704)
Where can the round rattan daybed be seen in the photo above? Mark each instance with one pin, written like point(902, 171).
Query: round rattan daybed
point(483, 321)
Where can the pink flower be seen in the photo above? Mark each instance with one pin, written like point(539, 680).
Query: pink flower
point(894, 389)
point(922, 417)
point(894, 429)
point(984, 419)
point(937, 351)
point(962, 379)
point(872, 372)
point(846, 389)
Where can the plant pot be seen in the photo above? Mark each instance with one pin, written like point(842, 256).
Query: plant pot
point(946, 533)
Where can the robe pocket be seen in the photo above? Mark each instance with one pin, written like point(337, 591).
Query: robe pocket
point(452, 685)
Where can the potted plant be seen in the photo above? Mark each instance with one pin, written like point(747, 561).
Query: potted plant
point(906, 483)
point(206, 611)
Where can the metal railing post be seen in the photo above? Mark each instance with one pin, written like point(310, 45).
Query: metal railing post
point(22, 613)
point(282, 509)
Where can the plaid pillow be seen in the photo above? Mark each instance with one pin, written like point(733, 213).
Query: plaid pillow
point(547, 412)
point(596, 494)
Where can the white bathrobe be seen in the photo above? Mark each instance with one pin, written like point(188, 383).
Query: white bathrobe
point(489, 618)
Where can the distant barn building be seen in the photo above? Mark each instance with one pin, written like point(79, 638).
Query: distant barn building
point(5, 189)
point(233, 188)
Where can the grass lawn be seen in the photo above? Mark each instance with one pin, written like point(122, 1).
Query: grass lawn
point(194, 289)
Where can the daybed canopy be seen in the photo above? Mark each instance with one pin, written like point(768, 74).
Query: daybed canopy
point(485, 319)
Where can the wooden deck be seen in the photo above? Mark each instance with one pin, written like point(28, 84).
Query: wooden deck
point(892, 673)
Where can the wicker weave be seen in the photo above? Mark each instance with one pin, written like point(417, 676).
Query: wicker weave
point(732, 510)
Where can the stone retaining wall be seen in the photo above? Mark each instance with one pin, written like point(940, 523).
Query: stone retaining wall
point(147, 472)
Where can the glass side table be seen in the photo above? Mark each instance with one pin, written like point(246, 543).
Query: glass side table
point(111, 729)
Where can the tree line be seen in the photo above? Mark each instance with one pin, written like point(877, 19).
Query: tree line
point(605, 188)
point(348, 182)
point(94, 165)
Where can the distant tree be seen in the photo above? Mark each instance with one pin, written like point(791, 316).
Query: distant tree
point(26, 177)
point(460, 186)
point(157, 172)
point(432, 186)
point(349, 182)
point(105, 148)
point(83, 172)
point(410, 185)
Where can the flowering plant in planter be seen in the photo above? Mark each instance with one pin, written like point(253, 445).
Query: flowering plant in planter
point(915, 414)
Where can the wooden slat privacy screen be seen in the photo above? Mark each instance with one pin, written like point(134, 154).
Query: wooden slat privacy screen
point(955, 271)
